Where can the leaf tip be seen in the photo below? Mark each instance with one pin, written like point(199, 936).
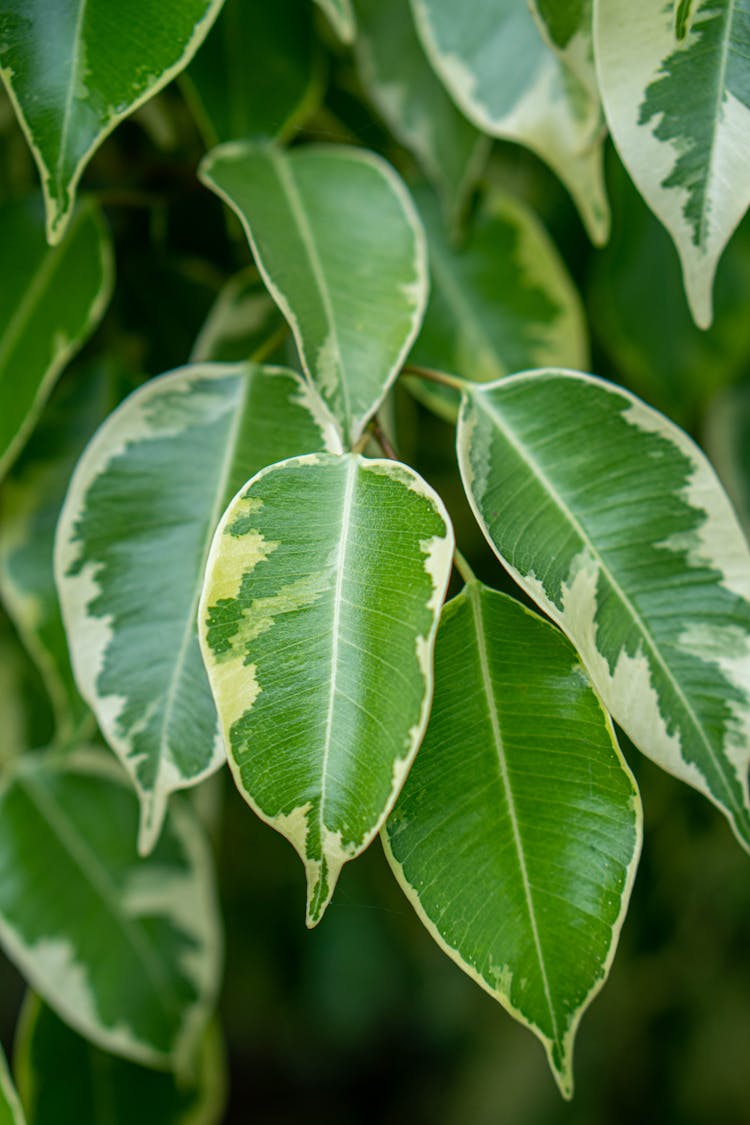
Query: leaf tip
point(153, 808)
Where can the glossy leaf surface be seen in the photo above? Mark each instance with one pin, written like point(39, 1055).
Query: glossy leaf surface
point(518, 829)
point(131, 547)
point(675, 82)
point(54, 302)
point(125, 950)
point(318, 616)
point(75, 69)
point(616, 525)
point(341, 250)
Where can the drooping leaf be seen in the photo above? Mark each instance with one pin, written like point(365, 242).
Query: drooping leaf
point(74, 70)
point(125, 950)
point(341, 249)
point(255, 76)
point(242, 319)
point(499, 70)
point(406, 91)
point(501, 302)
point(518, 830)
point(614, 522)
point(727, 440)
point(11, 1111)
point(63, 1079)
point(318, 616)
point(341, 16)
point(131, 546)
point(675, 82)
point(50, 302)
point(30, 504)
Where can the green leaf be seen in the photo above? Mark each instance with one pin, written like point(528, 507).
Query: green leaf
point(341, 17)
point(506, 79)
point(568, 28)
point(411, 99)
point(73, 72)
point(340, 247)
point(318, 616)
point(727, 440)
point(125, 950)
point(675, 82)
point(132, 543)
point(51, 302)
point(501, 302)
point(241, 321)
point(255, 75)
point(613, 521)
point(11, 1111)
point(517, 833)
point(65, 1080)
point(31, 500)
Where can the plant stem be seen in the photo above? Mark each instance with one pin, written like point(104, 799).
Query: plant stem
point(270, 344)
point(434, 376)
point(463, 567)
point(382, 439)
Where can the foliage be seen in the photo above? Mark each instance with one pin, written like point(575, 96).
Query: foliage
point(229, 525)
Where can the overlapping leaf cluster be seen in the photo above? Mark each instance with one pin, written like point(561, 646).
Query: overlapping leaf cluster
point(233, 562)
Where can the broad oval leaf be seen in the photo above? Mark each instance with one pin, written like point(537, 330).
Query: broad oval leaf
point(318, 616)
point(65, 1080)
point(256, 75)
point(614, 522)
point(517, 833)
point(404, 88)
point(675, 82)
point(51, 302)
point(341, 16)
point(501, 302)
point(132, 542)
point(127, 951)
point(511, 84)
point(240, 324)
point(341, 249)
point(11, 1111)
point(73, 72)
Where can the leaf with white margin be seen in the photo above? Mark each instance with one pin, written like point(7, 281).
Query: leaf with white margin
point(341, 17)
point(568, 28)
point(126, 951)
point(675, 83)
point(50, 303)
point(614, 522)
point(131, 546)
point(727, 441)
point(318, 616)
point(517, 833)
point(499, 70)
point(75, 70)
point(11, 1111)
point(242, 319)
point(406, 91)
point(65, 1080)
point(503, 301)
point(341, 250)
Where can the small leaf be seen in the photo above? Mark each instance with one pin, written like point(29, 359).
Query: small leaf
point(11, 1111)
point(318, 616)
point(613, 521)
point(501, 302)
point(73, 73)
point(675, 82)
point(727, 440)
point(64, 1080)
point(406, 91)
point(132, 542)
point(242, 319)
point(52, 306)
point(255, 76)
point(518, 830)
point(341, 17)
point(125, 950)
point(341, 249)
point(506, 79)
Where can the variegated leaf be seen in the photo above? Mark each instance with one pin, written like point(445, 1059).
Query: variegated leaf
point(568, 28)
point(74, 70)
point(341, 16)
point(131, 546)
point(51, 301)
point(518, 830)
point(727, 439)
point(65, 1080)
point(501, 302)
point(614, 522)
point(318, 616)
point(242, 321)
point(499, 70)
point(406, 91)
point(125, 950)
point(675, 82)
point(255, 77)
point(340, 247)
